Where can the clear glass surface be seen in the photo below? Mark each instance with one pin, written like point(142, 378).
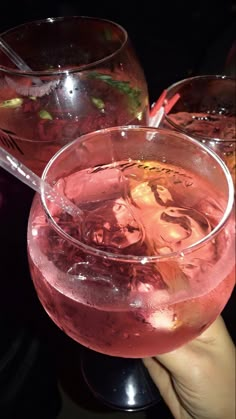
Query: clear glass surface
point(151, 264)
point(206, 110)
point(85, 76)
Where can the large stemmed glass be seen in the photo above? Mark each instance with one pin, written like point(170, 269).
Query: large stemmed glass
point(84, 76)
point(151, 263)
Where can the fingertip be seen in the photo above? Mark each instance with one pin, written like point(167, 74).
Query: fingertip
point(148, 362)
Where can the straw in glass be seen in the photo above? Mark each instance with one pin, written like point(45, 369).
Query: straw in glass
point(161, 107)
point(25, 175)
point(17, 60)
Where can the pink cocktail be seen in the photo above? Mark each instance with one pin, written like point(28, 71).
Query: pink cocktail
point(151, 265)
point(85, 76)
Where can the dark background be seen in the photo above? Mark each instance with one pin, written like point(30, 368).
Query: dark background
point(173, 41)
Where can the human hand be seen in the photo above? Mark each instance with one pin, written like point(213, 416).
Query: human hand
point(198, 380)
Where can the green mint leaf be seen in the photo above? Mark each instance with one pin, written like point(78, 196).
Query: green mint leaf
point(45, 114)
point(98, 103)
point(12, 103)
point(123, 86)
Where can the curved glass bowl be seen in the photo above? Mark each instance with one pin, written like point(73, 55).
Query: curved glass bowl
point(85, 76)
point(151, 265)
point(206, 110)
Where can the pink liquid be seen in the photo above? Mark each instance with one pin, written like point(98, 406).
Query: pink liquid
point(36, 121)
point(122, 308)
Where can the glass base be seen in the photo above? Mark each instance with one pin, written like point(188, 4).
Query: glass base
point(120, 383)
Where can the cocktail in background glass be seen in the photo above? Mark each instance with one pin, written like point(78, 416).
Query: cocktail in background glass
point(85, 76)
point(204, 107)
point(150, 264)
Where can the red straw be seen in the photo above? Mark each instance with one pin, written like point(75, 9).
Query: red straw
point(158, 104)
point(161, 102)
point(171, 103)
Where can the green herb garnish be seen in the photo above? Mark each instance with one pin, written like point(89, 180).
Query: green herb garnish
point(98, 103)
point(45, 114)
point(12, 103)
point(123, 86)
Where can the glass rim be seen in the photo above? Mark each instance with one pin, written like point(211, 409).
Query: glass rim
point(143, 259)
point(79, 68)
point(179, 83)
